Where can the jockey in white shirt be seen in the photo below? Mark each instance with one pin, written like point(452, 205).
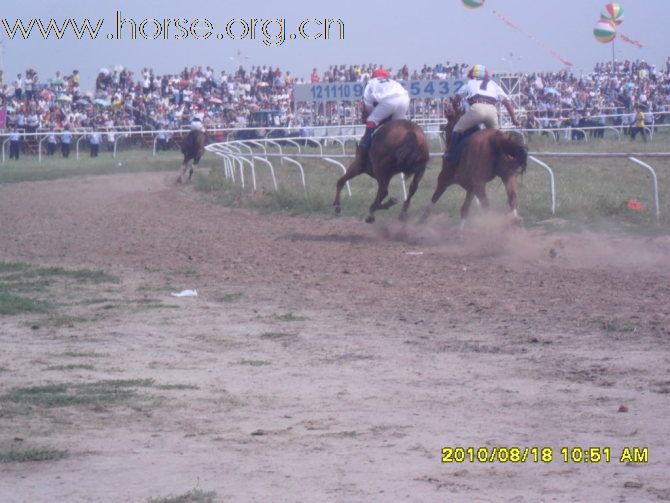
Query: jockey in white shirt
point(482, 94)
point(196, 122)
point(383, 97)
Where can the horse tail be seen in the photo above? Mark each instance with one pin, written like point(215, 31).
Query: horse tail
point(511, 147)
point(408, 155)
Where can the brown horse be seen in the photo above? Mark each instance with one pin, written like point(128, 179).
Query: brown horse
point(398, 146)
point(487, 153)
point(193, 148)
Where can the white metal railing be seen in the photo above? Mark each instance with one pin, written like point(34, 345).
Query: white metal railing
point(233, 150)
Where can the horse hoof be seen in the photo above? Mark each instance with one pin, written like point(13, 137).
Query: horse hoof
point(369, 219)
point(517, 221)
point(338, 210)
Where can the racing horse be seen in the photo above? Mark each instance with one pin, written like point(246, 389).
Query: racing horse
point(193, 148)
point(398, 146)
point(484, 155)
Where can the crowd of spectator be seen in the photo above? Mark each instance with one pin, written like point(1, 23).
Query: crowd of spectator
point(228, 99)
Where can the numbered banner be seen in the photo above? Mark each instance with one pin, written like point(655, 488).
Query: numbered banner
point(353, 91)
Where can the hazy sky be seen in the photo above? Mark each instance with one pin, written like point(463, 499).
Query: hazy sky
point(386, 32)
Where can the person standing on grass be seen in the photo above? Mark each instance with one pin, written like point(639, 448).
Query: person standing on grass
point(51, 144)
point(94, 141)
point(638, 125)
point(65, 142)
point(14, 143)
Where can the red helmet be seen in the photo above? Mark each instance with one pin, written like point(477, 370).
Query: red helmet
point(381, 73)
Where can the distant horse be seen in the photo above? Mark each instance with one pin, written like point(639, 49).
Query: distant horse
point(485, 154)
point(193, 148)
point(398, 146)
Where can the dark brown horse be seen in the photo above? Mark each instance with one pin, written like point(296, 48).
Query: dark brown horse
point(398, 146)
point(193, 148)
point(487, 154)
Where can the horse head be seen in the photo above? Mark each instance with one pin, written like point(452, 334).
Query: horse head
point(453, 110)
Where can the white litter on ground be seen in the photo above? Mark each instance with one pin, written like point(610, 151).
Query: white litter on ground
point(185, 293)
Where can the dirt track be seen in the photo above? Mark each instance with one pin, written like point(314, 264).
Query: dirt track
point(350, 356)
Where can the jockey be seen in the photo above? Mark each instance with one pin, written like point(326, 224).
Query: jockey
point(196, 122)
point(482, 94)
point(383, 97)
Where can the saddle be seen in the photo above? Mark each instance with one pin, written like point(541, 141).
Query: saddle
point(375, 131)
point(380, 126)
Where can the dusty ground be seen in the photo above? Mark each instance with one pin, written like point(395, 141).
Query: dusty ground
point(333, 360)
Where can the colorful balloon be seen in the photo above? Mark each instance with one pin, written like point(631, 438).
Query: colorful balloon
point(473, 4)
point(604, 31)
point(613, 12)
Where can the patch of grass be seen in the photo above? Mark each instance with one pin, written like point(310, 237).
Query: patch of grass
point(65, 320)
point(82, 354)
point(616, 326)
point(229, 297)
point(4, 369)
point(187, 271)
point(254, 363)
point(14, 455)
point(17, 278)
point(147, 303)
point(176, 386)
point(289, 317)
point(101, 300)
point(193, 496)
point(129, 159)
point(68, 394)
point(277, 335)
point(7, 267)
point(80, 275)
point(71, 367)
point(13, 304)
point(15, 272)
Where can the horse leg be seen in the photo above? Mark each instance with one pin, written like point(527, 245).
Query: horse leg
point(465, 208)
point(391, 201)
point(191, 170)
point(480, 192)
point(194, 165)
point(412, 189)
point(183, 170)
point(511, 186)
point(444, 180)
point(382, 192)
point(353, 171)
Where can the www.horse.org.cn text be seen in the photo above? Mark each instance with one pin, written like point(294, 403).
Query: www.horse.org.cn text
point(270, 32)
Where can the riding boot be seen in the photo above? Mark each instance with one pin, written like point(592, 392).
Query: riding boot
point(454, 146)
point(364, 147)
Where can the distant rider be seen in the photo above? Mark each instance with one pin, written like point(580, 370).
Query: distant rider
point(383, 97)
point(196, 122)
point(482, 94)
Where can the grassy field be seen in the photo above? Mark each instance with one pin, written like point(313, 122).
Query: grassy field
point(589, 192)
point(27, 168)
